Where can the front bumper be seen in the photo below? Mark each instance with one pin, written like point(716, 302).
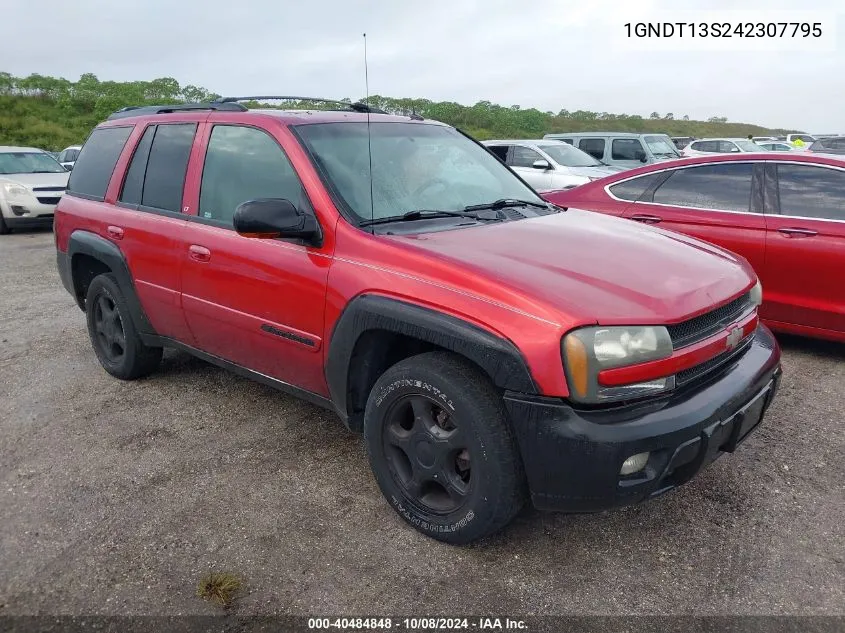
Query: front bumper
point(27, 213)
point(572, 457)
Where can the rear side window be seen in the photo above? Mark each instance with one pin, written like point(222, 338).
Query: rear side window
point(242, 164)
point(501, 151)
point(725, 186)
point(133, 185)
point(168, 161)
point(593, 146)
point(95, 163)
point(625, 149)
point(634, 189)
point(811, 192)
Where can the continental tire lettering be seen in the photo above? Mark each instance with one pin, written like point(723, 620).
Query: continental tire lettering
point(416, 384)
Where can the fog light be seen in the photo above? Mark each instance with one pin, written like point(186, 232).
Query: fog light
point(634, 464)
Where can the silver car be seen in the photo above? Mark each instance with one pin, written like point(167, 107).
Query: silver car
point(549, 165)
point(705, 146)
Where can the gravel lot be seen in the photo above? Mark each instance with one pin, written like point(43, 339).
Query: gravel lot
point(117, 497)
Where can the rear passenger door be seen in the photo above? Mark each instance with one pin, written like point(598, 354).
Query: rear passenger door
point(257, 303)
point(152, 223)
point(805, 258)
point(713, 202)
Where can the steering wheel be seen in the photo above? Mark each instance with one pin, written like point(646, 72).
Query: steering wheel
point(429, 185)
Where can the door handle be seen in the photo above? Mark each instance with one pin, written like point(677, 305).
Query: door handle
point(792, 232)
point(199, 253)
point(115, 232)
point(646, 218)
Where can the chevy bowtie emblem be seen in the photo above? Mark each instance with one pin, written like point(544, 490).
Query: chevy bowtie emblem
point(734, 337)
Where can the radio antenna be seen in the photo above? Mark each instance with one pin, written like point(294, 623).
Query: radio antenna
point(369, 136)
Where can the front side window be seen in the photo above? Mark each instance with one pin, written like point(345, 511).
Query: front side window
point(725, 186)
point(706, 146)
point(96, 161)
point(811, 192)
point(523, 156)
point(569, 156)
point(593, 146)
point(244, 163)
point(748, 146)
point(415, 167)
point(725, 147)
point(167, 164)
point(28, 163)
point(626, 149)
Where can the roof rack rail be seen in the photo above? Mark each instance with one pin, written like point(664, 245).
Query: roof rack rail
point(176, 107)
point(355, 106)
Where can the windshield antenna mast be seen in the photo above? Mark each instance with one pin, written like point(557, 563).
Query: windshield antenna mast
point(369, 137)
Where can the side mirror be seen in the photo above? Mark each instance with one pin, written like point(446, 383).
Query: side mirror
point(274, 217)
point(640, 156)
point(542, 163)
point(68, 167)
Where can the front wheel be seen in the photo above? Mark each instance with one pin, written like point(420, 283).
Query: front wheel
point(441, 448)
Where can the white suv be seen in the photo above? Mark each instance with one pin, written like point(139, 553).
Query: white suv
point(31, 184)
point(550, 165)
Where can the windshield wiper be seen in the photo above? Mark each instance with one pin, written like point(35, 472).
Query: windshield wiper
point(506, 202)
point(426, 214)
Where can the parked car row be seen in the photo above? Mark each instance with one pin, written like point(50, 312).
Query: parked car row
point(491, 346)
point(785, 214)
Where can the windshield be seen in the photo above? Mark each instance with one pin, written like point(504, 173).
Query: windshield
point(749, 146)
point(28, 163)
point(414, 166)
point(661, 146)
point(568, 156)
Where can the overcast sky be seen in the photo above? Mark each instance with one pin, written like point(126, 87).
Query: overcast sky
point(548, 54)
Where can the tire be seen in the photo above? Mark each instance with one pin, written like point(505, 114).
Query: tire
point(4, 228)
point(442, 450)
point(113, 335)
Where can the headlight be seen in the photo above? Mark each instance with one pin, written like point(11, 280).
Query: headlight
point(587, 351)
point(756, 294)
point(15, 190)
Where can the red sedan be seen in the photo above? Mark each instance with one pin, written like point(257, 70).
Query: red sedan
point(785, 213)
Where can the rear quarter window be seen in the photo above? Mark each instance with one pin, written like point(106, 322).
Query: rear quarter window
point(94, 165)
point(634, 189)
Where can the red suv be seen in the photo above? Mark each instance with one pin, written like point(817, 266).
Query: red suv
point(489, 345)
point(783, 211)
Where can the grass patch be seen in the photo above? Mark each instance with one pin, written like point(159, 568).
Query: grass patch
point(219, 588)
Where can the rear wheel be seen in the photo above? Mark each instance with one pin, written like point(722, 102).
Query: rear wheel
point(113, 335)
point(441, 448)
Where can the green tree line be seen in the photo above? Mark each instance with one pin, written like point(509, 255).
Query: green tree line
point(52, 113)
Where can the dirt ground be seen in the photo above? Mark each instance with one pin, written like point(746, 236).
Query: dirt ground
point(117, 497)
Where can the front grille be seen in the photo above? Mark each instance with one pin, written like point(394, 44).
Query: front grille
point(50, 200)
point(688, 375)
point(705, 325)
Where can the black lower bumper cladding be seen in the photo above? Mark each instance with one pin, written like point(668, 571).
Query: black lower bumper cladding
point(573, 457)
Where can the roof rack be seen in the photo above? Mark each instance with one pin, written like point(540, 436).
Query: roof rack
point(356, 106)
point(179, 107)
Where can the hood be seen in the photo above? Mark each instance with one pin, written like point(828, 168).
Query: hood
point(599, 171)
point(593, 268)
point(38, 180)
